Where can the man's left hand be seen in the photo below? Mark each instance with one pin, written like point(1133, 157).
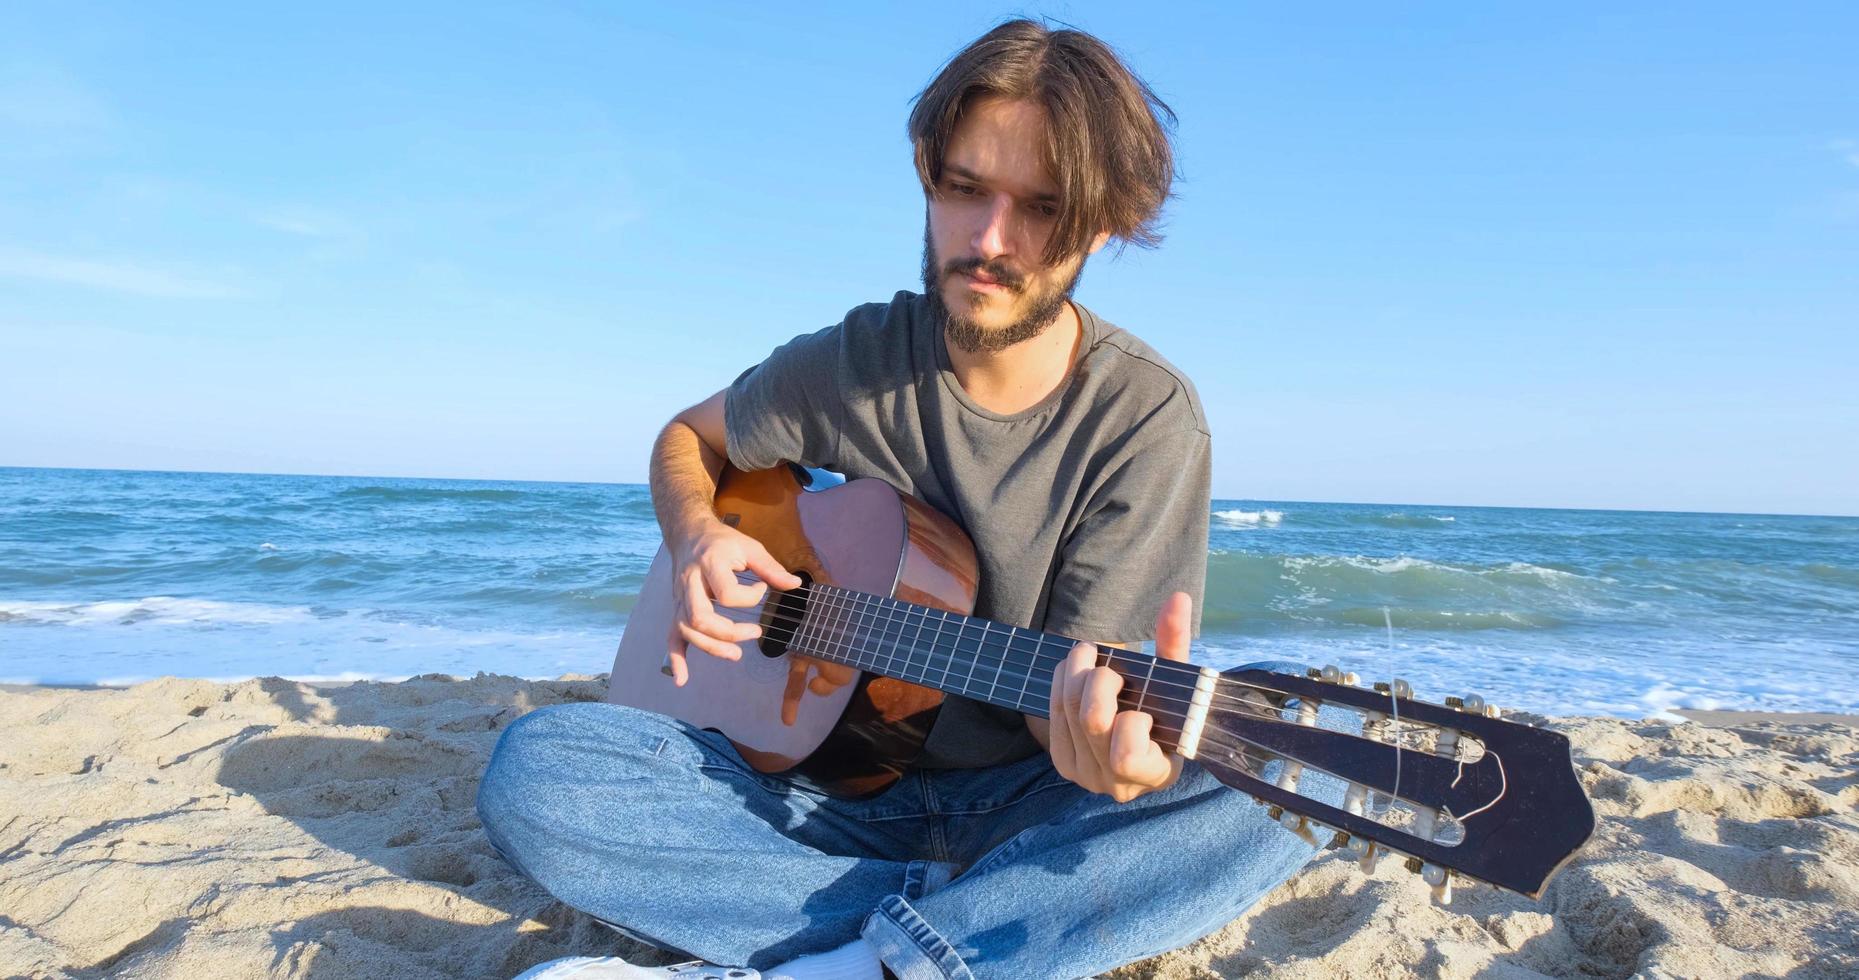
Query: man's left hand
point(1097, 745)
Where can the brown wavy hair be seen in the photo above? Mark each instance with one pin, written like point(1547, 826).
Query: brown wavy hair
point(1107, 134)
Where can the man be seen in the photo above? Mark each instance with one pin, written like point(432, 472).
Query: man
point(1077, 459)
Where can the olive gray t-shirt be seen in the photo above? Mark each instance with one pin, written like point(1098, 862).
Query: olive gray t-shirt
point(1087, 510)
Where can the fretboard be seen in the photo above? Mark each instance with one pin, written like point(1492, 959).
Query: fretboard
point(977, 658)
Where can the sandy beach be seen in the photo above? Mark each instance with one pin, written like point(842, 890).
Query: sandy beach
point(273, 828)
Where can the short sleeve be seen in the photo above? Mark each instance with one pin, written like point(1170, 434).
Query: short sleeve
point(1142, 538)
point(787, 408)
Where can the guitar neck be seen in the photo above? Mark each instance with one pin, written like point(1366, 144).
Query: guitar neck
point(979, 659)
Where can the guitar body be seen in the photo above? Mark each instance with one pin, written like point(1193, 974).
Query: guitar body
point(861, 535)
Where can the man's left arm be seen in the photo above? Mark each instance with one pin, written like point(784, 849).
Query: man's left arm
point(1138, 558)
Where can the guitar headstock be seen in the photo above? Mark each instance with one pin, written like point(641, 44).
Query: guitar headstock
point(1452, 787)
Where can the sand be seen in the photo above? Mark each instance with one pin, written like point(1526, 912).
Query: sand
point(272, 828)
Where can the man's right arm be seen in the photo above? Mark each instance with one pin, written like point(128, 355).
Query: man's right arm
point(705, 553)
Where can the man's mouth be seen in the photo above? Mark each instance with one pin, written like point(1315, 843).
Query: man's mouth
point(983, 282)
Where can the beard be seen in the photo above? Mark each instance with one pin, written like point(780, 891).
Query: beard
point(1042, 309)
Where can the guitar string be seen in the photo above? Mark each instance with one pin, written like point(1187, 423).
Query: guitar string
point(851, 650)
point(848, 605)
point(834, 615)
point(853, 605)
point(865, 604)
point(1216, 735)
point(869, 605)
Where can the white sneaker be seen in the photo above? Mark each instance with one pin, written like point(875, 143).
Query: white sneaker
point(614, 968)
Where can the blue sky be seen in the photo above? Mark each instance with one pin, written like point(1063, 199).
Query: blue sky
point(1577, 256)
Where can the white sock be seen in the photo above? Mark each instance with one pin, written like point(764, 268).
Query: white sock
point(856, 960)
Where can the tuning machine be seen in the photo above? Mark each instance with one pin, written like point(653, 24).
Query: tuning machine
point(1473, 704)
point(1439, 878)
point(1332, 674)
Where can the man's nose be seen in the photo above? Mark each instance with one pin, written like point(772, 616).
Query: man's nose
point(992, 237)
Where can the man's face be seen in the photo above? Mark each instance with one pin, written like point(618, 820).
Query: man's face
point(985, 238)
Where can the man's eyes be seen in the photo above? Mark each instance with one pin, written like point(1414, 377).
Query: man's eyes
point(1042, 208)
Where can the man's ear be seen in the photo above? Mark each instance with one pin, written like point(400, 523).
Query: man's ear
point(1102, 238)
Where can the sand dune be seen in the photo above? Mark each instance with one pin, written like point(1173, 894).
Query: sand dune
point(272, 828)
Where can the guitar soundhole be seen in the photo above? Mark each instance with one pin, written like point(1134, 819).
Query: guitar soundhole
point(781, 616)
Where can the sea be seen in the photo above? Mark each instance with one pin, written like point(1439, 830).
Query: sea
point(114, 577)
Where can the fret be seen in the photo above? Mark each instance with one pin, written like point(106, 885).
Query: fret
point(800, 639)
point(956, 649)
point(901, 622)
point(893, 632)
point(1063, 646)
point(1144, 693)
point(819, 616)
point(913, 649)
point(838, 645)
point(860, 631)
point(871, 638)
point(954, 655)
point(916, 639)
point(1032, 662)
point(999, 665)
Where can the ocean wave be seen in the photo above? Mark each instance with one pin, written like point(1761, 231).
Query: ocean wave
point(1248, 589)
point(1412, 520)
point(152, 610)
point(1250, 518)
point(428, 494)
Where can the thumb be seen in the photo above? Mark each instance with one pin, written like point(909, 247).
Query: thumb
point(1174, 627)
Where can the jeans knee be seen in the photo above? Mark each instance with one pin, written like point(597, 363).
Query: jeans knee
point(528, 755)
point(563, 747)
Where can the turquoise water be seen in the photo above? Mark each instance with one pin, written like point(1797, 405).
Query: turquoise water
point(110, 576)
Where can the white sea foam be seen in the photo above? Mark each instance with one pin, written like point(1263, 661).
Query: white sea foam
point(1407, 563)
point(1251, 518)
point(155, 610)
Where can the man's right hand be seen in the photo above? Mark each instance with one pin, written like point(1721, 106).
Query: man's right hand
point(704, 567)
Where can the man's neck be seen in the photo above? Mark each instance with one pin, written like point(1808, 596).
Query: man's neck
point(1019, 377)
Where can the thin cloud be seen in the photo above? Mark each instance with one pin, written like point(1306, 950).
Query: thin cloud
point(112, 276)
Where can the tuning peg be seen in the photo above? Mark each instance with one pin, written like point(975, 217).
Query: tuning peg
point(1402, 689)
point(1473, 704)
point(1369, 857)
point(1332, 674)
point(1296, 824)
point(1441, 880)
point(1432, 874)
point(1340, 842)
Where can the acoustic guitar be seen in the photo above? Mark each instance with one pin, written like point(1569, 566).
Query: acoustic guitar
point(888, 587)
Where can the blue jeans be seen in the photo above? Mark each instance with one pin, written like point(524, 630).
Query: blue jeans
point(662, 830)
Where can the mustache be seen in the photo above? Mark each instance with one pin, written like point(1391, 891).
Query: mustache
point(995, 270)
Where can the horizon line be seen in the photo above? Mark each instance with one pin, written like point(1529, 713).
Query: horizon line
point(612, 483)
